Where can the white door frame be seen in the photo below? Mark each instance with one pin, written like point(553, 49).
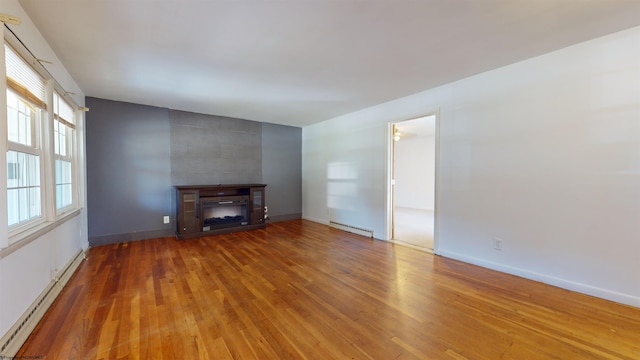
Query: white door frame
point(389, 179)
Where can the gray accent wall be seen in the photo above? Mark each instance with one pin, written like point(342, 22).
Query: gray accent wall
point(137, 153)
point(209, 149)
point(281, 161)
point(128, 172)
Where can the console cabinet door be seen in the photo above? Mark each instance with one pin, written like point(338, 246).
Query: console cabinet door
point(188, 212)
point(257, 206)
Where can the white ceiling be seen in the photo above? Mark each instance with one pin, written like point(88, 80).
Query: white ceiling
point(297, 62)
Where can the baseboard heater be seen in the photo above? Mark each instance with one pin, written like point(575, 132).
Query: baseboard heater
point(351, 229)
point(17, 335)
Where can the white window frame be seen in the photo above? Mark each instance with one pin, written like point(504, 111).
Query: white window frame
point(24, 232)
point(68, 123)
point(33, 148)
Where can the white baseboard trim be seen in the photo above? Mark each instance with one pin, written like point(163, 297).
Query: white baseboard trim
point(20, 331)
point(547, 279)
point(319, 221)
point(352, 229)
point(343, 227)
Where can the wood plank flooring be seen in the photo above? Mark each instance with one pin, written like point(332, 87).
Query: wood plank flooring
point(301, 290)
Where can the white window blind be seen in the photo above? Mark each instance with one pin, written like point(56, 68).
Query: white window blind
point(62, 109)
point(22, 73)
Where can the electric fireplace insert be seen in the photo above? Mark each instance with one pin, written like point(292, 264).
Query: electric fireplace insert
point(223, 212)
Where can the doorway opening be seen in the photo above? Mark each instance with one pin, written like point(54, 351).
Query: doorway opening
point(412, 182)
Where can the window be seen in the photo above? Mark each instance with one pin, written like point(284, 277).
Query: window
point(25, 105)
point(63, 128)
point(40, 157)
point(23, 161)
point(23, 187)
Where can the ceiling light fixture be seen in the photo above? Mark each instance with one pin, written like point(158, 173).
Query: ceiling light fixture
point(396, 135)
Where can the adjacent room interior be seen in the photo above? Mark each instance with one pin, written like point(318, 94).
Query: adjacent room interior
point(433, 179)
point(412, 179)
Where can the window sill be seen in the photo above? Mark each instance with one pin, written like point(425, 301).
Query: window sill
point(28, 235)
point(65, 215)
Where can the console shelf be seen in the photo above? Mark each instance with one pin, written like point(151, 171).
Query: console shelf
point(217, 209)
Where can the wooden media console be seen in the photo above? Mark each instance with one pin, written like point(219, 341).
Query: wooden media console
point(216, 209)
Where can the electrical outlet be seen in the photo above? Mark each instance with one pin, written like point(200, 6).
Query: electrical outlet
point(497, 244)
point(166, 220)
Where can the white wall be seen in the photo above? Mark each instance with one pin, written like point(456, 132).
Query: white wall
point(415, 172)
point(26, 272)
point(343, 168)
point(544, 154)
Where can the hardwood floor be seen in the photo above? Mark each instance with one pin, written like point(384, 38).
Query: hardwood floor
point(301, 290)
